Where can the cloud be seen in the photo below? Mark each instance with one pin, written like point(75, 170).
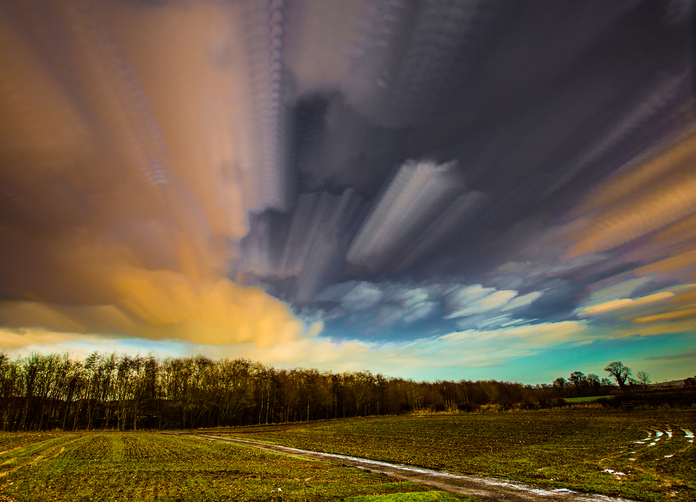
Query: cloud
point(363, 296)
point(395, 305)
point(529, 336)
point(418, 311)
point(484, 321)
point(673, 357)
point(458, 352)
point(522, 301)
point(476, 299)
point(624, 303)
point(649, 197)
point(129, 226)
point(13, 339)
point(383, 304)
point(419, 192)
point(268, 179)
point(668, 316)
point(670, 309)
point(454, 219)
point(619, 289)
point(164, 304)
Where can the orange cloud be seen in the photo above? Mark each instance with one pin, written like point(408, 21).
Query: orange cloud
point(669, 316)
point(125, 177)
point(166, 304)
point(639, 199)
point(624, 303)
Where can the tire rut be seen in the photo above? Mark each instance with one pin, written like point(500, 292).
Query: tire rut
point(475, 486)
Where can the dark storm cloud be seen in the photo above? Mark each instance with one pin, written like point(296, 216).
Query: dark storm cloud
point(531, 105)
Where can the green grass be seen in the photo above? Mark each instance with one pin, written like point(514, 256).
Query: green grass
point(149, 466)
point(585, 399)
point(407, 497)
point(565, 449)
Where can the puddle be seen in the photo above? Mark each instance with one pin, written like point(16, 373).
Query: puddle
point(491, 482)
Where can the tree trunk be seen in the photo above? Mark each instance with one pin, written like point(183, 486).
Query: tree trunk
point(77, 415)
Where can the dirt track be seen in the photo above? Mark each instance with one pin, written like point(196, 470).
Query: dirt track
point(485, 488)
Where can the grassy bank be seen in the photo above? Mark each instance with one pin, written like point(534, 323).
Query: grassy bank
point(591, 451)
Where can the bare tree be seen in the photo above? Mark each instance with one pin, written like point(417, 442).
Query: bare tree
point(414, 396)
point(643, 378)
point(45, 392)
point(619, 372)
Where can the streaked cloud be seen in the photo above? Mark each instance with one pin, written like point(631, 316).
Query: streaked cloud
point(625, 303)
point(377, 183)
point(522, 301)
point(672, 357)
point(476, 299)
point(419, 192)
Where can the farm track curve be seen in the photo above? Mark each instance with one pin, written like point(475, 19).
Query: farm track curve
point(475, 486)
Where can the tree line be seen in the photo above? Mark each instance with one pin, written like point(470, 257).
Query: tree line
point(119, 391)
point(579, 385)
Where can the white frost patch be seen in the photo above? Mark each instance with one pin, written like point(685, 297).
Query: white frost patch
point(545, 493)
point(658, 435)
point(615, 473)
point(669, 456)
point(669, 434)
point(688, 434)
point(632, 459)
point(644, 440)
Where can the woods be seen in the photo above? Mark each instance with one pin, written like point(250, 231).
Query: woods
point(118, 391)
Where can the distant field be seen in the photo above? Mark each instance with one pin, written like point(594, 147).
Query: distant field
point(591, 451)
point(142, 466)
point(585, 399)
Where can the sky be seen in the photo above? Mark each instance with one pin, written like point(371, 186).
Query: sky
point(423, 189)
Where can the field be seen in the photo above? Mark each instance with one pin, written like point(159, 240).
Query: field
point(150, 466)
point(646, 456)
point(639, 455)
point(586, 399)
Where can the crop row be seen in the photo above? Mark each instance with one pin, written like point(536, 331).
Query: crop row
point(10, 441)
point(148, 466)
